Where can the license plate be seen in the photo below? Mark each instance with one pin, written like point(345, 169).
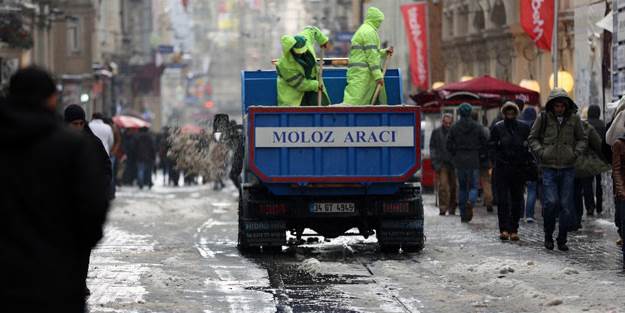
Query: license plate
point(328, 207)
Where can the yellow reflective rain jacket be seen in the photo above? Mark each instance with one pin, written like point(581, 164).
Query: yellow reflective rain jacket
point(292, 83)
point(364, 67)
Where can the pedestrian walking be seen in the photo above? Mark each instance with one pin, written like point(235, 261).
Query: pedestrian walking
point(52, 198)
point(146, 154)
point(557, 138)
point(298, 81)
point(467, 144)
point(485, 171)
point(74, 117)
point(103, 131)
point(442, 164)
point(588, 165)
point(618, 179)
point(116, 153)
point(509, 151)
point(365, 62)
point(594, 119)
point(528, 116)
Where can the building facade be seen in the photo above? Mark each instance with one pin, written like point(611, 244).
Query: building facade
point(484, 37)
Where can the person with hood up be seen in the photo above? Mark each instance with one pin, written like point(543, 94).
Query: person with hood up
point(466, 143)
point(509, 151)
point(528, 116)
point(298, 69)
point(557, 139)
point(53, 200)
point(364, 68)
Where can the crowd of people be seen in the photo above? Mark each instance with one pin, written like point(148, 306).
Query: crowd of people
point(556, 158)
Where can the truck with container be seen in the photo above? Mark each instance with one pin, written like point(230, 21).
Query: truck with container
point(328, 170)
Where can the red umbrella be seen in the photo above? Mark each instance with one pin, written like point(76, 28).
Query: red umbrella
point(191, 129)
point(489, 87)
point(125, 121)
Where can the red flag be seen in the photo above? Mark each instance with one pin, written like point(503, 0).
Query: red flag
point(537, 21)
point(415, 21)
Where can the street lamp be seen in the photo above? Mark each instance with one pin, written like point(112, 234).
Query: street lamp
point(84, 98)
point(437, 85)
point(565, 81)
point(530, 84)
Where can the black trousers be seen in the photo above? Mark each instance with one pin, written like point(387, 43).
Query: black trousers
point(598, 194)
point(510, 187)
point(584, 196)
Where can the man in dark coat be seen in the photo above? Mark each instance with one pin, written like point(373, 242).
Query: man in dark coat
point(146, 153)
point(594, 119)
point(53, 201)
point(74, 116)
point(443, 166)
point(467, 145)
point(509, 151)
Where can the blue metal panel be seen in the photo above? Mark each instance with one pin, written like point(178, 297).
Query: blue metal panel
point(258, 88)
point(328, 162)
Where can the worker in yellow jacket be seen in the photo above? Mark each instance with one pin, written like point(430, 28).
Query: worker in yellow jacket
point(364, 68)
point(297, 69)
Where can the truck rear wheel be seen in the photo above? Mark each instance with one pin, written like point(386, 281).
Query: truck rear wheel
point(385, 248)
point(412, 248)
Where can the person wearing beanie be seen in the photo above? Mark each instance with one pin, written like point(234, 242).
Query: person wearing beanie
point(467, 145)
point(74, 116)
point(297, 69)
point(52, 195)
point(509, 151)
point(364, 70)
point(557, 139)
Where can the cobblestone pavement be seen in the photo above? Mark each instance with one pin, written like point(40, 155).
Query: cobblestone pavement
point(173, 250)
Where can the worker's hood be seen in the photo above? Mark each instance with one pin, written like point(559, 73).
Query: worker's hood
point(375, 17)
point(287, 42)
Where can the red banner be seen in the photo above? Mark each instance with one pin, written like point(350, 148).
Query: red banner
point(415, 21)
point(537, 21)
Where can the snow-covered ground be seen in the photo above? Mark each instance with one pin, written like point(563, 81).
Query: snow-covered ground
point(174, 250)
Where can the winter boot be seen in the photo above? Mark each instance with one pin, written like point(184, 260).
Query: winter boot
point(549, 243)
point(562, 246)
point(514, 237)
point(469, 211)
point(504, 235)
point(489, 209)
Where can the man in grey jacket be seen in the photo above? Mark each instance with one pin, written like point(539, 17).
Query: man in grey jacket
point(442, 164)
point(558, 138)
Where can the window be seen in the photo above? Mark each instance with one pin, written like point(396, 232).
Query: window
point(73, 35)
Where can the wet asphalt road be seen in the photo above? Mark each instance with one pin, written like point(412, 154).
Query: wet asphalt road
point(174, 250)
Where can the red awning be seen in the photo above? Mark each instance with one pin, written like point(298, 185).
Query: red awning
point(489, 87)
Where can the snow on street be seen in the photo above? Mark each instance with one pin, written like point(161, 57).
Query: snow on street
point(174, 250)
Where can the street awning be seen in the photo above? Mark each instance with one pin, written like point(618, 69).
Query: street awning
point(489, 87)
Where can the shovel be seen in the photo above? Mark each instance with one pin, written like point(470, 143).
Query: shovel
point(320, 79)
point(377, 88)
